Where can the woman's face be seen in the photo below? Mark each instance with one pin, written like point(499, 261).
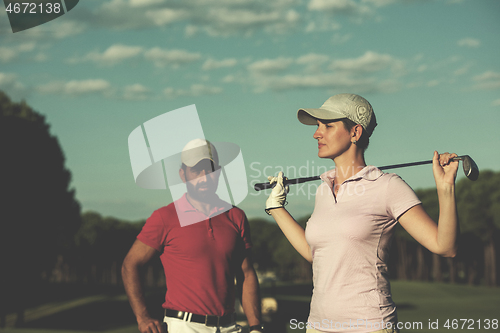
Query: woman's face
point(333, 139)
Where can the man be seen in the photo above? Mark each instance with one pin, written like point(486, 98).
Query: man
point(204, 243)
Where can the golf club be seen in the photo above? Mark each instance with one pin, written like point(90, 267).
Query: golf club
point(471, 171)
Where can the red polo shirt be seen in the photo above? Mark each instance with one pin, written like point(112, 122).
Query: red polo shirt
point(199, 260)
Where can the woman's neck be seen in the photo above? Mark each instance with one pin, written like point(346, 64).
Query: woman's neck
point(348, 164)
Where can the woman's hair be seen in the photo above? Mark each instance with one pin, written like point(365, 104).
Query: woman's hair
point(364, 140)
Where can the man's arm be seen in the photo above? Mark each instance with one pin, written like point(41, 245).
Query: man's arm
point(250, 298)
point(137, 257)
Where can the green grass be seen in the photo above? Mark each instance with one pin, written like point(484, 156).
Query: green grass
point(427, 302)
point(418, 303)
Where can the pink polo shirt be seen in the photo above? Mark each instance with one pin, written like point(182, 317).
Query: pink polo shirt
point(200, 259)
point(350, 236)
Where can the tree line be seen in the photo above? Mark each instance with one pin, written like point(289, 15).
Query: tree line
point(44, 237)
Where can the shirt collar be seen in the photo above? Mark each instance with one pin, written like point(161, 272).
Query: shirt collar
point(183, 205)
point(369, 172)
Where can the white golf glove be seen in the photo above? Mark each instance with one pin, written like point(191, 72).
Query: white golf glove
point(277, 198)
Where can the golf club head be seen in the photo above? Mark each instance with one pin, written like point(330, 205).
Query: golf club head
point(470, 167)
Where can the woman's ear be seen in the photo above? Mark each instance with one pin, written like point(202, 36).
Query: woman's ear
point(356, 132)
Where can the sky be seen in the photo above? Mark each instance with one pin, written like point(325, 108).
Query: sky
point(430, 69)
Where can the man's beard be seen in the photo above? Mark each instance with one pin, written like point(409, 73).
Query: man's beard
point(207, 194)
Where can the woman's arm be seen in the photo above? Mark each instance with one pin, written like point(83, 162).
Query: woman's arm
point(441, 238)
point(290, 228)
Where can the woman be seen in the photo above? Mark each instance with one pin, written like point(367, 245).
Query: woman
point(348, 236)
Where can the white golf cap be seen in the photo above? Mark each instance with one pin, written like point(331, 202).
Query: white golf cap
point(197, 150)
point(341, 106)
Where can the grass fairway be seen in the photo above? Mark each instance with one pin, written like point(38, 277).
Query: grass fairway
point(420, 304)
point(424, 306)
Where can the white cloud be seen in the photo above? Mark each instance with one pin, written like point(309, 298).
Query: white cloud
point(214, 17)
point(77, 87)
point(215, 64)
point(329, 81)
point(312, 58)
point(144, 3)
point(57, 29)
point(67, 28)
point(175, 58)
point(371, 72)
point(382, 3)
point(461, 71)
point(136, 92)
point(194, 90)
point(118, 53)
point(191, 30)
point(226, 21)
point(348, 7)
point(113, 55)
point(489, 75)
point(422, 68)
point(270, 66)
point(313, 62)
point(338, 38)
point(322, 25)
point(369, 62)
point(229, 79)
point(167, 16)
point(469, 42)
point(433, 83)
point(487, 81)
point(8, 54)
point(11, 85)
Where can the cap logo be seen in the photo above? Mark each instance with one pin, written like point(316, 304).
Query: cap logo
point(362, 115)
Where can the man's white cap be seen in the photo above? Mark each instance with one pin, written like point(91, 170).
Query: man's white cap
point(341, 106)
point(197, 150)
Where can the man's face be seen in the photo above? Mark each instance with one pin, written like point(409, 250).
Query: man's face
point(201, 180)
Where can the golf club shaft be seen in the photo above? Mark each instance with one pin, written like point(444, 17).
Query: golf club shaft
point(263, 186)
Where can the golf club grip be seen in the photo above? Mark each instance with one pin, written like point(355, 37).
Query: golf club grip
point(265, 186)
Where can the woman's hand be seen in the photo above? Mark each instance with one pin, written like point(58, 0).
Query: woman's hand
point(277, 198)
point(445, 171)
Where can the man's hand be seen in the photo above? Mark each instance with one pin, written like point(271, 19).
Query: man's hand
point(277, 198)
point(150, 325)
point(137, 257)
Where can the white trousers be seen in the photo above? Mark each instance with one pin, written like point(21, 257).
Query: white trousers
point(175, 325)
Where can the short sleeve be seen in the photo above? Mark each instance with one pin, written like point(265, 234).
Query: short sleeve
point(153, 233)
point(245, 233)
point(239, 218)
point(400, 197)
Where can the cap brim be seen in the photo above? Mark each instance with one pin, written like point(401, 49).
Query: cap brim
point(310, 116)
point(193, 162)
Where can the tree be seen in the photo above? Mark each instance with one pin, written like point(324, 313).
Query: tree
point(39, 213)
point(430, 203)
point(101, 245)
point(479, 211)
point(291, 265)
point(265, 240)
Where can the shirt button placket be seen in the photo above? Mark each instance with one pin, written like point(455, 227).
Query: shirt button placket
point(210, 228)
